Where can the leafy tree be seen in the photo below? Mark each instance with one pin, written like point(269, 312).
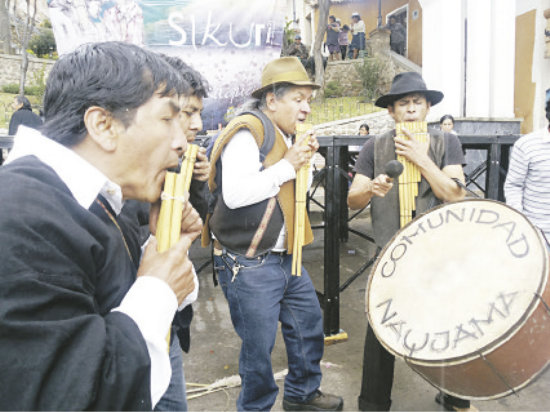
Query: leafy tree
point(23, 23)
point(5, 34)
point(43, 43)
point(324, 7)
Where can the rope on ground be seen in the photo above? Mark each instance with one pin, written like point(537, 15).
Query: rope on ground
point(200, 389)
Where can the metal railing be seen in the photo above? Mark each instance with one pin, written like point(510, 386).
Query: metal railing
point(486, 176)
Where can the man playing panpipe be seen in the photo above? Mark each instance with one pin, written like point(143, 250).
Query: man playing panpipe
point(439, 160)
point(191, 123)
point(84, 323)
point(252, 222)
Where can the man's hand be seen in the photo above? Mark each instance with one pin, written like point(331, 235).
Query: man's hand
point(413, 150)
point(172, 266)
point(381, 185)
point(202, 166)
point(191, 223)
point(299, 153)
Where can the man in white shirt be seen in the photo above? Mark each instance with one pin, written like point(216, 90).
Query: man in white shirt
point(84, 322)
point(253, 223)
point(527, 186)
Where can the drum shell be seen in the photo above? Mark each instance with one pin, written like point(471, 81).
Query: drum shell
point(496, 369)
point(517, 361)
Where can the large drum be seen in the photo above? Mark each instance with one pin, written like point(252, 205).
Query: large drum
point(461, 294)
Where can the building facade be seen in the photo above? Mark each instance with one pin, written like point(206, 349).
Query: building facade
point(487, 56)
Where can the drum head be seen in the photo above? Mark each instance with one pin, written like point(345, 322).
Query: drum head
point(456, 281)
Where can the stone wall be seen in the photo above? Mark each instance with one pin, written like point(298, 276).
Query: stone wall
point(10, 68)
point(378, 46)
point(379, 122)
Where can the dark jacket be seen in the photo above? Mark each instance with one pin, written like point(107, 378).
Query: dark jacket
point(25, 117)
point(61, 274)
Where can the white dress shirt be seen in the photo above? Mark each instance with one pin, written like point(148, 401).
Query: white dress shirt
point(244, 182)
point(150, 302)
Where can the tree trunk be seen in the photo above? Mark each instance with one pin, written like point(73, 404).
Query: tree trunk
point(324, 7)
point(5, 32)
point(27, 32)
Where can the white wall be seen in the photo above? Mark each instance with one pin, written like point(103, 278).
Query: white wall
point(442, 57)
point(541, 65)
point(489, 65)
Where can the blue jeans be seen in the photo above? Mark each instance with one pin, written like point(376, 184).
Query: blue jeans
point(174, 399)
point(260, 295)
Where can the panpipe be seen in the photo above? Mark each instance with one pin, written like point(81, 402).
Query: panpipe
point(171, 207)
point(302, 177)
point(410, 178)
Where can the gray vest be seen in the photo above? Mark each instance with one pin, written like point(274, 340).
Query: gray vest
point(385, 210)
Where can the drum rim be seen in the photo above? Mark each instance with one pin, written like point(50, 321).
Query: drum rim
point(492, 346)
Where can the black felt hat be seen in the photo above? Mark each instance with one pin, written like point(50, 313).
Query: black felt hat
point(408, 83)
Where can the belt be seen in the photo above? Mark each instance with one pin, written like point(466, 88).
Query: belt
point(218, 250)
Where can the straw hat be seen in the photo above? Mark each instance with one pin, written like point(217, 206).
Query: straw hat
point(284, 70)
point(408, 83)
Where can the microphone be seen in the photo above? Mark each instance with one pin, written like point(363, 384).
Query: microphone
point(394, 168)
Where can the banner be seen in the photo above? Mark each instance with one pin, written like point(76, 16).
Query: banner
point(227, 41)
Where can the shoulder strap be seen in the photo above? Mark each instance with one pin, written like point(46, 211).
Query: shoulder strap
point(269, 133)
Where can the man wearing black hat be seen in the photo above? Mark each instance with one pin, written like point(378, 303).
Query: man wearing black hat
point(439, 161)
point(253, 221)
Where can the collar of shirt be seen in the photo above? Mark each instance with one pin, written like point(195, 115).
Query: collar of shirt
point(287, 139)
point(546, 135)
point(83, 179)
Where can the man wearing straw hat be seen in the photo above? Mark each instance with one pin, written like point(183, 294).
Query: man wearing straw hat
point(252, 222)
point(84, 321)
point(440, 163)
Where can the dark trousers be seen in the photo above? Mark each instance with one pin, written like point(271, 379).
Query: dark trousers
point(343, 51)
point(378, 367)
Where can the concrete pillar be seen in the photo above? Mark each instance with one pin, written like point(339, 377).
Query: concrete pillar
point(443, 53)
point(468, 53)
point(490, 58)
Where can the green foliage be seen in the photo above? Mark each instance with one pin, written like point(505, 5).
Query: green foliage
point(38, 85)
point(331, 109)
point(43, 44)
point(333, 89)
point(12, 88)
point(370, 73)
point(46, 24)
point(34, 90)
point(289, 34)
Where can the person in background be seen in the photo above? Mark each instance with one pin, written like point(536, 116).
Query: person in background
point(358, 34)
point(527, 186)
point(364, 129)
point(398, 36)
point(298, 49)
point(191, 123)
point(23, 115)
point(333, 31)
point(447, 124)
point(343, 41)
